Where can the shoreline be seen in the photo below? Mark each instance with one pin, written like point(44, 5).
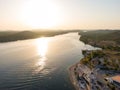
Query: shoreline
point(73, 79)
point(95, 63)
point(86, 77)
point(72, 76)
point(25, 35)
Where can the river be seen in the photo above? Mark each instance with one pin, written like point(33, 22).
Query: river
point(39, 64)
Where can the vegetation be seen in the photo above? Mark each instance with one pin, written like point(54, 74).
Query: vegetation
point(109, 41)
point(87, 60)
point(106, 39)
point(7, 36)
point(101, 58)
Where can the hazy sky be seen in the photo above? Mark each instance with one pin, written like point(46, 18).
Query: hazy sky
point(59, 14)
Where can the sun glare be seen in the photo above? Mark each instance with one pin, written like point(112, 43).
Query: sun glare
point(40, 14)
point(42, 46)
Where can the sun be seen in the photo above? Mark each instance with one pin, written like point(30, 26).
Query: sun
point(40, 14)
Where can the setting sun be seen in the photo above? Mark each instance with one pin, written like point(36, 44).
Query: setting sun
point(59, 45)
point(40, 14)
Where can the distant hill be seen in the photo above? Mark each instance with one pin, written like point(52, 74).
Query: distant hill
point(7, 36)
point(102, 38)
point(106, 35)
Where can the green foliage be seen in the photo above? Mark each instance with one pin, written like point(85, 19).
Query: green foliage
point(95, 37)
point(7, 36)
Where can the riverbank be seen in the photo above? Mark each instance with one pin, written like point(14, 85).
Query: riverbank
point(101, 65)
point(9, 36)
point(91, 73)
point(109, 41)
point(79, 81)
point(72, 77)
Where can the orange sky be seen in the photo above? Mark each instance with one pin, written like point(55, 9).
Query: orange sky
point(59, 14)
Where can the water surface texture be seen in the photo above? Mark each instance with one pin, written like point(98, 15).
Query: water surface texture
point(39, 64)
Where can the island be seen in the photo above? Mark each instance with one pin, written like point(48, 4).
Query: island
point(99, 69)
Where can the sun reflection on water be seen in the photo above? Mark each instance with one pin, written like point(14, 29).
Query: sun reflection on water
point(42, 48)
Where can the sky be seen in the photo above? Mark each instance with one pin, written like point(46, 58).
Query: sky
point(59, 14)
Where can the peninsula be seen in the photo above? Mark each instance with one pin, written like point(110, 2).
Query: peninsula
point(99, 69)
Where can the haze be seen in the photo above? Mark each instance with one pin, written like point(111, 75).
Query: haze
point(59, 14)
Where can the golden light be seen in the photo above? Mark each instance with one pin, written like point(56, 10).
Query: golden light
point(40, 65)
point(41, 14)
point(42, 46)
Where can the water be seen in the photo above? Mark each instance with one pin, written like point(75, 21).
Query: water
point(39, 64)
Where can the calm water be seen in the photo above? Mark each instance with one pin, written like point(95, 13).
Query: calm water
point(39, 64)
